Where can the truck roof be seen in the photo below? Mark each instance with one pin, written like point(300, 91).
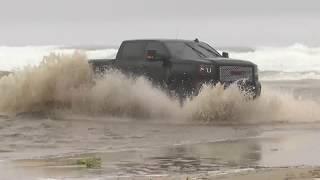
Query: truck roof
point(160, 40)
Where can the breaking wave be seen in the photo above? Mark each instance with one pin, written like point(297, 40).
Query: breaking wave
point(295, 58)
point(13, 58)
point(294, 62)
point(64, 84)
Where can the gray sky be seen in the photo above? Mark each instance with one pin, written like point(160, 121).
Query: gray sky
point(108, 22)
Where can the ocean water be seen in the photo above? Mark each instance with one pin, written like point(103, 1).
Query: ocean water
point(295, 62)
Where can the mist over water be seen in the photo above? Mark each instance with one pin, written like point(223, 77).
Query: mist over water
point(64, 85)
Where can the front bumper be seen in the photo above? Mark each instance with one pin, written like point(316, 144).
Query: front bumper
point(251, 88)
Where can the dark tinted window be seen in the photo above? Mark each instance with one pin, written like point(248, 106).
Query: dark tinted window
point(133, 50)
point(209, 48)
point(158, 47)
point(191, 50)
point(181, 50)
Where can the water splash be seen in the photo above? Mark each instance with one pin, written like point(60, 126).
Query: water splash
point(65, 84)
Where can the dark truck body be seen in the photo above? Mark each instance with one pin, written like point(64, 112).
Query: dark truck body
point(181, 66)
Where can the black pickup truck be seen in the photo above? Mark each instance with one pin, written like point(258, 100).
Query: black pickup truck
point(181, 66)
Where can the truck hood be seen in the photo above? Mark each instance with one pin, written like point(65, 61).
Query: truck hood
point(228, 61)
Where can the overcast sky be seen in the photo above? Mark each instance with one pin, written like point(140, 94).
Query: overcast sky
point(108, 22)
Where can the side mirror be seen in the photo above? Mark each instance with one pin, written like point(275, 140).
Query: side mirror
point(225, 54)
point(152, 55)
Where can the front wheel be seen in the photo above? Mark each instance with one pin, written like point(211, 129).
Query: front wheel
point(186, 89)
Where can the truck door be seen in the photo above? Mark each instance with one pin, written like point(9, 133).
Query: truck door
point(130, 58)
point(157, 70)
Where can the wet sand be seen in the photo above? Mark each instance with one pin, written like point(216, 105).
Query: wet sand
point(143, 150)
point(288, 173)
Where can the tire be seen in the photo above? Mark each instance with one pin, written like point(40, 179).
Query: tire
point(184, 90)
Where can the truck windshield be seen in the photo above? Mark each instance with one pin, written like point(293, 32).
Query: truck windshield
point(191, 50)
point(209, 49)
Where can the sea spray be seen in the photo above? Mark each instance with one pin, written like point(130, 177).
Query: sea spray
point(43, 87)
point(66, 83)
point(217, 105)
point(119, 95)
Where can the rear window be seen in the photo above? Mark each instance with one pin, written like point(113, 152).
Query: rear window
point(133, 50)
point(158, 47)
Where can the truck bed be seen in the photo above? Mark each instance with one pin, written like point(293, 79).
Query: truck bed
point(99, 65)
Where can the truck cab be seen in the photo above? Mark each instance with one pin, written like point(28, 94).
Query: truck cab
point(181, 65)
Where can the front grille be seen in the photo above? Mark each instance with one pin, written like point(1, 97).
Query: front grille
point(234, 73)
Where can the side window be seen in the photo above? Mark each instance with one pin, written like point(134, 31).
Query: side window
point(133, 51)
point(181, 51)
point(156, 46)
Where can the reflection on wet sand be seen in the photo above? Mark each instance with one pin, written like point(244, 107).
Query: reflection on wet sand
point(186, 159)
point(291, 145)
point(200, 158)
